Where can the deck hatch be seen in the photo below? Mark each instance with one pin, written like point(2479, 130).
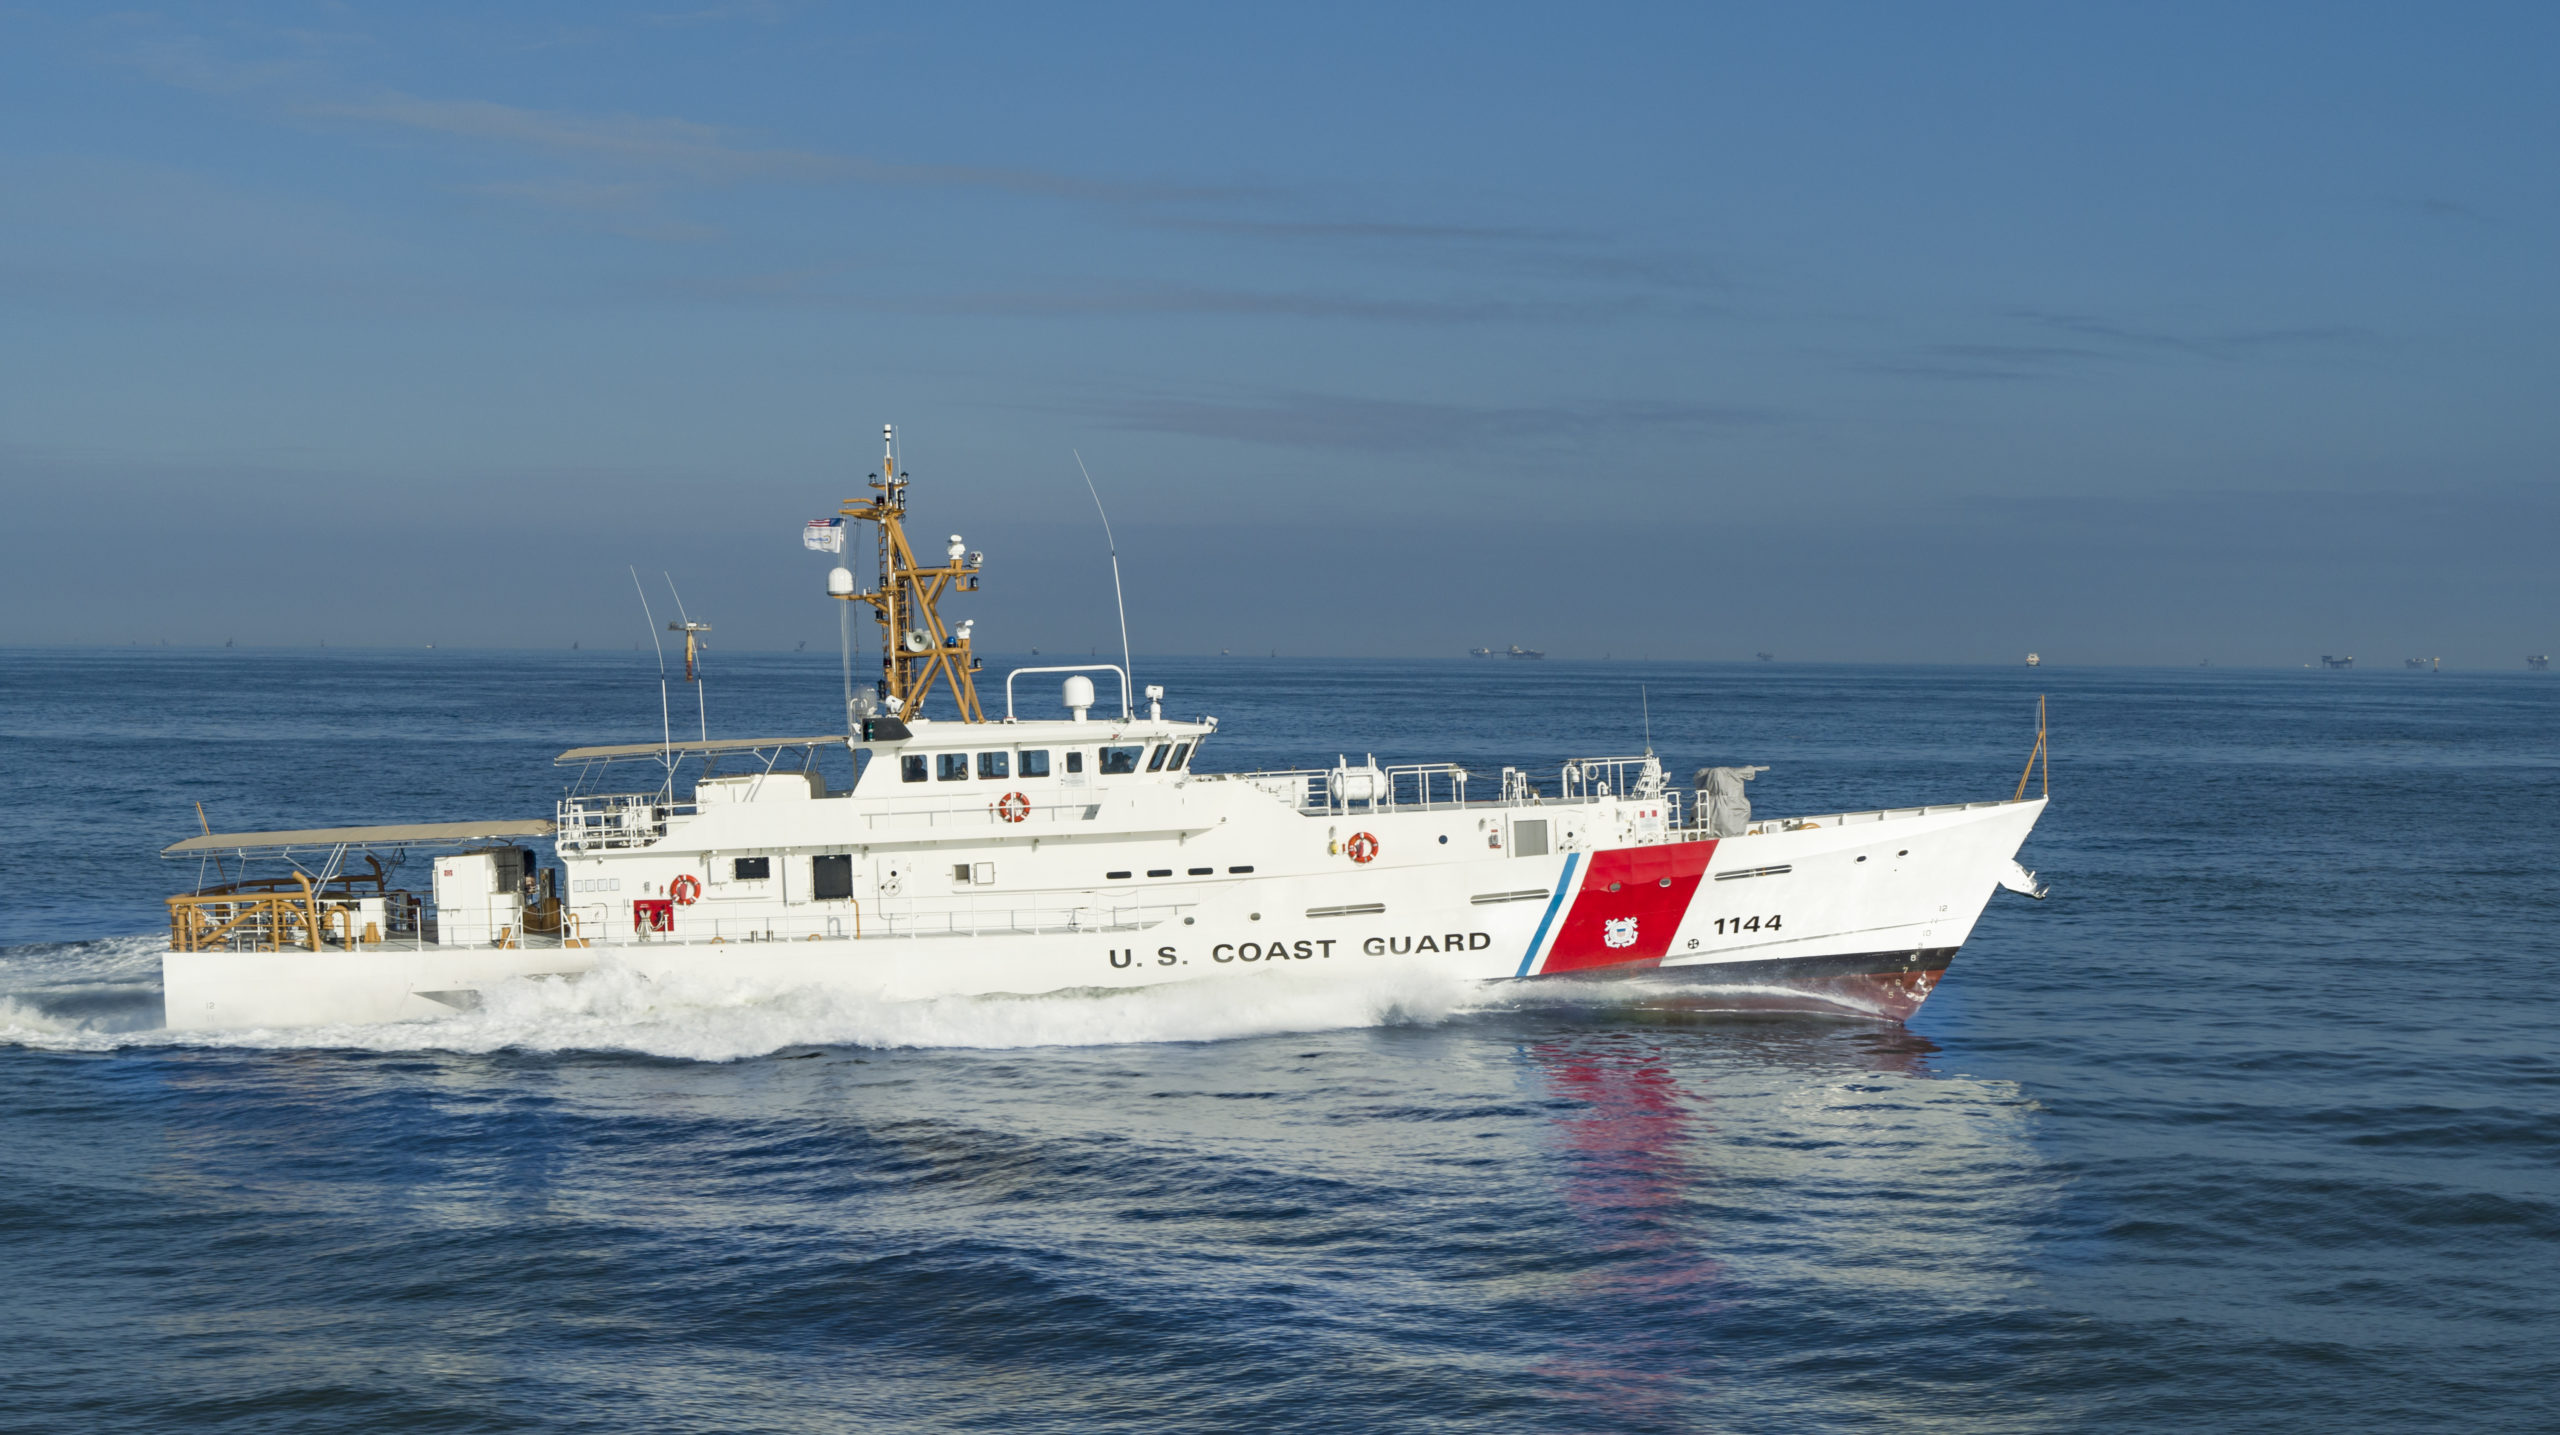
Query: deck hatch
point(831, 878)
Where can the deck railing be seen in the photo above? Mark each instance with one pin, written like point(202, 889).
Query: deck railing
point(873, 920)
point(612, 820)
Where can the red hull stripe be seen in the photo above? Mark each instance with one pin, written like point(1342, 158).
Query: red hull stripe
point(1629, 907)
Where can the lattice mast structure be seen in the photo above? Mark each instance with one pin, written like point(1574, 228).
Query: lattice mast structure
point(917, 651)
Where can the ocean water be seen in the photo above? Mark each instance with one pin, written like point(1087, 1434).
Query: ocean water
point(2254, 1125)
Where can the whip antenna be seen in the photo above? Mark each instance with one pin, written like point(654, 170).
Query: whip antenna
point(1122, 603)
point(666, 734)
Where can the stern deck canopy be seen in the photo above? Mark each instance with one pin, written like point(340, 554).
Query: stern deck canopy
point(396, 835)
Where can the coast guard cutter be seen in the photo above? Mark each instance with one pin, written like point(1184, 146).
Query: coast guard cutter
point(995, 851)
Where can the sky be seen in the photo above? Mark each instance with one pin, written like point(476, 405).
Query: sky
point(2134, 334)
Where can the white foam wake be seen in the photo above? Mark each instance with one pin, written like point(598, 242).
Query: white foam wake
point(708, 1018)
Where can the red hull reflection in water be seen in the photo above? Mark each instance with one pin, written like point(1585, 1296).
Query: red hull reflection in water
point(1639, 1189)
point(1626, 1178)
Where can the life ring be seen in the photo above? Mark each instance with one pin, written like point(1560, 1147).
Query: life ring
point(684, 889)
point(1362, 847)
point(1013, 807)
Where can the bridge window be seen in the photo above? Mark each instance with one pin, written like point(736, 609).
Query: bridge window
point(1035, 763)
point(951, 766)
point(911, 767)
point(1181, 755)
point(1156, 763)
point(1120, 760)
point(1075, 760)
point(994, 764)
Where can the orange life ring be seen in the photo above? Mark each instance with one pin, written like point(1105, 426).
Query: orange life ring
point(1362, 847)
point(1013, 807)
point(684, 889)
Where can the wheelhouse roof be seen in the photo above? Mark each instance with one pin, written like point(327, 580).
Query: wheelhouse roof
point(652, 749)
point(396, 834)
point(928, 735)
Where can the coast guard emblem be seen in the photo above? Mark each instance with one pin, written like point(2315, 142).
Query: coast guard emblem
point(1619, 931)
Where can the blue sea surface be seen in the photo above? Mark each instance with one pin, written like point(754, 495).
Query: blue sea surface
point(2254, 1125)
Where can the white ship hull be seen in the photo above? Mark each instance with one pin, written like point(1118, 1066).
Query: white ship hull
point(1856, 913)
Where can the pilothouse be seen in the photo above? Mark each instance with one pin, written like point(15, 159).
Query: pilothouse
point(1069, 840)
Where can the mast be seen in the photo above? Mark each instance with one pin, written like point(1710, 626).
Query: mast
point(918, 652)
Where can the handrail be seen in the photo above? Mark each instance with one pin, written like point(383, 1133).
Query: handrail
point(1127, 713)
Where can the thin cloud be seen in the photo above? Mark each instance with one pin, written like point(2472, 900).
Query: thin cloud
point(623, 208)
point(2098, 341)
point(1368, 229)
point(682, 146)
point(2225, 344)
point(1281, 304)
point(2437, 207)
point(190, 62)
point(712, 153)
point(1336, 421)
point(762, 12)
point(1540, 251)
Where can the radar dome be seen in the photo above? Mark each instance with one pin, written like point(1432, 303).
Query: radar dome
point(1078, 692)
point(840, 583)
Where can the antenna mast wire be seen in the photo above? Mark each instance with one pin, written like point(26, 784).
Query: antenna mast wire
point(701, 710)
point(1126, 712)
point(666, 733)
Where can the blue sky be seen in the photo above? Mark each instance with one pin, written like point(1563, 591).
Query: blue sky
point(2148, 334)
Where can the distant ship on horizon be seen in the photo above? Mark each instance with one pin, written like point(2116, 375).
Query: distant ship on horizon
point(1514, 651)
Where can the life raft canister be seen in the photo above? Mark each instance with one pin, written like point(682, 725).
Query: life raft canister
point(1362, 847)
point(684, 889)
point(1013, 807)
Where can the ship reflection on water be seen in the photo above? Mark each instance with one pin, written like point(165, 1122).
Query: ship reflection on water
point(1719, 1179)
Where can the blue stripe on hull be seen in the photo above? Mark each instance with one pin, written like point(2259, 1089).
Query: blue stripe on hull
point(1555, 903)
